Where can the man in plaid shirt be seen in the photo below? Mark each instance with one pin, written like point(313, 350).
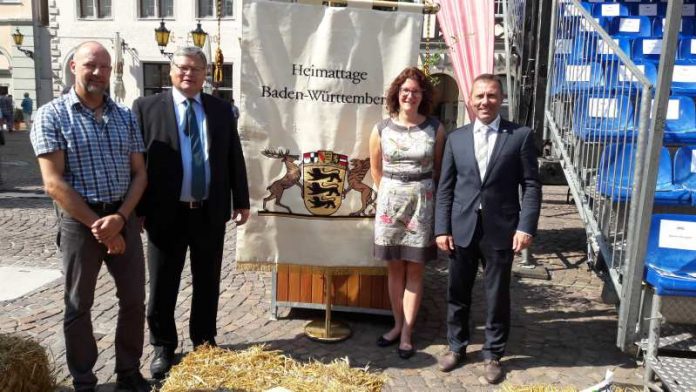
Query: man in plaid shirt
point(90, 152)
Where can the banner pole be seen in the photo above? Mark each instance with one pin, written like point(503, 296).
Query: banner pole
point(327, 331)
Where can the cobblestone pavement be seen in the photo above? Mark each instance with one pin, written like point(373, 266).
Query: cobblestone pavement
point(561, 331)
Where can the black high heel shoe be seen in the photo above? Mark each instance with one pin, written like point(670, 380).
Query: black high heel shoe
point(406, 354)
point(384, 342)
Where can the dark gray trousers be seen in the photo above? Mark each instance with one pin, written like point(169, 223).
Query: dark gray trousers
point(82, 259)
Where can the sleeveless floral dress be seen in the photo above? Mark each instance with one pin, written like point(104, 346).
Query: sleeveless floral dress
point(405, 205)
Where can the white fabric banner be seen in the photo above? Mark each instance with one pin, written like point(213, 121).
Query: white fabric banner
point(313, 80)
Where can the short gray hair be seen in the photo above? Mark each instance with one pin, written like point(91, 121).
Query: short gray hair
point(190, 51)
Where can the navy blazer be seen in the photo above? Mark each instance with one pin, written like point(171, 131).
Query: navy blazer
point(513, 164)
point(228, 178)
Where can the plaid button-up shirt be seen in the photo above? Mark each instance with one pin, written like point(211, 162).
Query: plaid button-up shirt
point(97, 153)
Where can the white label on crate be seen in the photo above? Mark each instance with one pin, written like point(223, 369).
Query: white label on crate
point(603, 48)
point(684, 73)
point(563, 46)
point(578, 73)
point(611, 9)
point(647, 9)
point(652, 46)
point(625, 75)
point(693, 46)
point(677, 235)
point(664, 22)
point(629, 25)
point(585, 25)
point(602, 107)
point(689, 10)
point(693, 161)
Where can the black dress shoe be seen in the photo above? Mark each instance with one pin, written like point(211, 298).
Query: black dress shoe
point(162, 362)
point(384, 342)
point(210, 342)
point(407, 353)
point(133, 382)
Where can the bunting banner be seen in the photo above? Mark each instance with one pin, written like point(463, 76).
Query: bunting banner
point(313, 80)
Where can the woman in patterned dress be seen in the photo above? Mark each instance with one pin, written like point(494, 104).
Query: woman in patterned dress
point(405, 155)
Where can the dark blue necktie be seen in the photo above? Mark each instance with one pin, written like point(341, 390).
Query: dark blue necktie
point(197, 158)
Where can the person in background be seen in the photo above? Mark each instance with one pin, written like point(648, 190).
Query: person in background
point(405, 155)
point(27, 109)
point(198, 183)
point(479, 217)
point(7, 110)
point(96, 197)
point(235, 109)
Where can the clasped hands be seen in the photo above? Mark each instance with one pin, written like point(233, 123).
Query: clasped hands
point(107, 230)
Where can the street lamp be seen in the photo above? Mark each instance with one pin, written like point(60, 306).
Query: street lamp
point(18, 39)
point(199, 36)
point(162, 38)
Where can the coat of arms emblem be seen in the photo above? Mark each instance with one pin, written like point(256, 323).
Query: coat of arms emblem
point(324, 174)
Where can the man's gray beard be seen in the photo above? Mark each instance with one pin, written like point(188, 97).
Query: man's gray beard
point(94, 89)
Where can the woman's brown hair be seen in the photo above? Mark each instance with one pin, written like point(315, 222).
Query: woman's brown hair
point(426, 91)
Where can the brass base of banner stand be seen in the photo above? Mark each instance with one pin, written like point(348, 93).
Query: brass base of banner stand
point(338, 331)
point(327, 331)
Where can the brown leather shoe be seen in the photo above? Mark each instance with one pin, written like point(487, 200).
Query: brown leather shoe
point(492, 371)
point(450, 361)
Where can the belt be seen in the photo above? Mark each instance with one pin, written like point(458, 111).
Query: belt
point(193, 205)
point(104, 207)
point(409, 177)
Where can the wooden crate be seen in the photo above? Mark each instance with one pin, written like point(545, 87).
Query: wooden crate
point(297, 284)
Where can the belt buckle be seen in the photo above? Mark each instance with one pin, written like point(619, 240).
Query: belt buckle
point(404, 177)
point(193, 205)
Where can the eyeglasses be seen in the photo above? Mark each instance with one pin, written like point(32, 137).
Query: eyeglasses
point(186, 69)
point(415, 93)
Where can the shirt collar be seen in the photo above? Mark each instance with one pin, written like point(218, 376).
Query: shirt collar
point(74, 100)
point(494, 125)
point(181, 98)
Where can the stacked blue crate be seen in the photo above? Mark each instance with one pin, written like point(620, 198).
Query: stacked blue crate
point(670, 260)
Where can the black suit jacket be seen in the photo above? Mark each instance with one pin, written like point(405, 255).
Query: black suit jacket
point(228, 179)
point(513, 163)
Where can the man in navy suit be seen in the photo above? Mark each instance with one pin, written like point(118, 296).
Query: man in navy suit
point(479, 216)
point(199, 182)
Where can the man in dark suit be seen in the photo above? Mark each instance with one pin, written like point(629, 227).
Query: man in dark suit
point(479, 216)
point(198, 182)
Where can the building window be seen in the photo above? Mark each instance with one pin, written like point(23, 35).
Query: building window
point(156, 78)
point(156, 8)
point(208, 8)
point(89, 9)
point(225, 88)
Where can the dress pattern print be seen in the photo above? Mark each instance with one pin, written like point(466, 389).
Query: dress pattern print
point(405, 204)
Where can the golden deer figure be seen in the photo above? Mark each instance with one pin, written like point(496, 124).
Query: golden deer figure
point(291, 177)
point(358, 169)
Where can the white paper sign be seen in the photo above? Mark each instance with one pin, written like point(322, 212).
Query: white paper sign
point(664, 20)
point(672, 109)
point(563, 46)
point(602, 107)
point(625, 75)
point(647, 9)
point(693, 46)
point(652, 46)
point(571, 10)
point(684, 73)
point(578, 73)
point(677, 235)
point(629, 25)
point(689, 10)
point(585, 25)
point(693, 161)
point(611, 9)
point(603, 48)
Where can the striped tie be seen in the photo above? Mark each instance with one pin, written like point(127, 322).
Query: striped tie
point(481, 150)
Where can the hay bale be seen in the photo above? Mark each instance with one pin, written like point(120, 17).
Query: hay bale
point(254, 369)
point(24, 366)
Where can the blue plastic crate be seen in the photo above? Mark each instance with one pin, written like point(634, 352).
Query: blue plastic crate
point(670, 260)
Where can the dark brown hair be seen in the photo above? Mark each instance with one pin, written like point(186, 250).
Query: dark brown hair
point(489, 78)
point(425, 85)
